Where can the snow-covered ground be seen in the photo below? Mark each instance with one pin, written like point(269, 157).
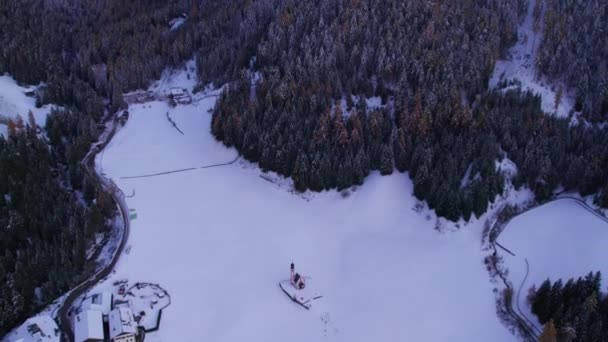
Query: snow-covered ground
point(13, 102)
point(37, 328)
point(220, 239)
point(185, 78)
point(560, 239)
point(521, 66)
point(49, 311)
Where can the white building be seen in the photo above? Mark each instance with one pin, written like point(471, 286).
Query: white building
point(35, 329)
point(176, 91)
point(100, 302)
point(122, 325)
point(180, 95)
point(88, 326)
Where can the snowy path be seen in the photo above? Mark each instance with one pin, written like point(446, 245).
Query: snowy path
point(219, 241)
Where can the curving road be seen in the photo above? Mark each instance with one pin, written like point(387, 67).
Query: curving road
point(118, 196)
point(528, 328)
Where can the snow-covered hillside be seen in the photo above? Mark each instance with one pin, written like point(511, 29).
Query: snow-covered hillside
point(220, 239)
point(560, 239)
point(14, 101)
point(520, 66)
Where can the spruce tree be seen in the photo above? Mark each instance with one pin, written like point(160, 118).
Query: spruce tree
point(386, 160)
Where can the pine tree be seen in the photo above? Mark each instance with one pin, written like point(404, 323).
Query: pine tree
point(601, 198)
point(386, 161)
point(12, 128)
point(345, 172)
point(301, 172)
point(31, 121)
point(316, 182)
point(360, 168)
point(89, 190)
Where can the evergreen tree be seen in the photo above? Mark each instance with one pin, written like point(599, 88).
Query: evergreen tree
point(386, 160)
point(301, 172)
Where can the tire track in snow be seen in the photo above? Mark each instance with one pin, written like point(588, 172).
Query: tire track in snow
point(517, 301)
point(182, 170)
point(526, 331)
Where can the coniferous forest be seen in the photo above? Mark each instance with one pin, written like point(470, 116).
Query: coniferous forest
point(574, 311)
point(49, 212)
point(323, 91)
point(303, 113)
point(573, 50)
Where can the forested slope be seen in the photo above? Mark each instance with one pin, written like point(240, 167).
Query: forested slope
point(298, 75)
point(303, 112)
point(574, 49)
point(574, 311)
point(85, 52)
point(45, 227)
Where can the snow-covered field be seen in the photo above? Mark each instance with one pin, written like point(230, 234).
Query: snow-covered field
point(220, 239)
point(521, 66)
point(560, 239)
point(13, 102)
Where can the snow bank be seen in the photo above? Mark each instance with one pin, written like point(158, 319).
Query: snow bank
point(560, 239)
point(520, 66)
point(13, 102)
point(220, 239)
point(176, 23)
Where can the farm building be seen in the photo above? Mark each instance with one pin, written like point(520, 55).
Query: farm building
point(180, 95)
point(88, 326)
point(122, 325)
point(101, 302)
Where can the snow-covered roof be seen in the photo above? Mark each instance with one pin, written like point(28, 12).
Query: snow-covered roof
point(88, 325)
point(36, 329)
point(100, 301)
point(121, 322)
point(177, 91)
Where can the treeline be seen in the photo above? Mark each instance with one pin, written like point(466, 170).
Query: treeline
point(303, 113)
point(300, 107)
point(573, 50)
point(299, 74)
point(45, 227)
point(106, 46)
point(453, 167)
point(85, 52)
point(575, 311)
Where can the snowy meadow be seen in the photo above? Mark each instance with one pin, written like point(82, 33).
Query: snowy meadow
point(220, 239)
point(558, 240)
